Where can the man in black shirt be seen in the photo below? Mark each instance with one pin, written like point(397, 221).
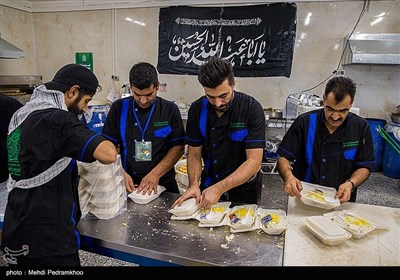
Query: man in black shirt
point(330, 146)
point(8, 106)
point(149, 131)
point(44, 141)
point(226, 129)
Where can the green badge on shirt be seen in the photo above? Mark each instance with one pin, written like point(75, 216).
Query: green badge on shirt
point(350, 144)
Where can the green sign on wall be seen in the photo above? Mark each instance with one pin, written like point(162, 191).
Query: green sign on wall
point(85, 59)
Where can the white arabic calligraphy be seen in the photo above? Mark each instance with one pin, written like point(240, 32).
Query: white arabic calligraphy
point(196, 48)
point(218, 22)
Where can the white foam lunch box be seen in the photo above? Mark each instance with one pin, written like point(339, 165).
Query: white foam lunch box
point(325, 230)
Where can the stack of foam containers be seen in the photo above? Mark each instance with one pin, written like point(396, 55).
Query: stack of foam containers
point(102, 189)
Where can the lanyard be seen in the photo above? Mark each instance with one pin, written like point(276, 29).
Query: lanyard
point(148, 119)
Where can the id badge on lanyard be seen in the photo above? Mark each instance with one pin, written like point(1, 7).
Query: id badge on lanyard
point(143, 150)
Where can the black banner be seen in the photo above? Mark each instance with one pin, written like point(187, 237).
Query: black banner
point(258, 40)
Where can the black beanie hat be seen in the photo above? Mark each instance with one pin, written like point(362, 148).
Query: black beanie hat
point(74, 74)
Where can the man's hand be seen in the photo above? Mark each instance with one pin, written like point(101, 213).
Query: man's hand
point(148, 184)
point(192, 191)
point(344, 192)
point(210, 196)
point(129, 185)
point(292, 186)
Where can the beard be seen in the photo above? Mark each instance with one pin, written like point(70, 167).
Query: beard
point(222, 109)
point(74, 108)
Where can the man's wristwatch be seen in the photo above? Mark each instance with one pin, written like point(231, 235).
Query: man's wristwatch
point(352, 184)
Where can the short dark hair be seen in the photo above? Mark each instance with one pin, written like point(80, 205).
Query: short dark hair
point(143, 75)
point(215, 71)
point(341, 87)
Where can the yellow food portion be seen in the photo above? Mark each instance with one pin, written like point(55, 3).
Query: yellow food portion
point(357, 221)
point(275, 218)
point(214, 209)
point(183, 169)
point(242, 212)
point(315, 196)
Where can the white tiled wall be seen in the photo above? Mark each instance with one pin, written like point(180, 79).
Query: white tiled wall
point(51, 40)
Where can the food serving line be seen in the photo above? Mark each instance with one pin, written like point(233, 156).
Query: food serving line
point(146, 235)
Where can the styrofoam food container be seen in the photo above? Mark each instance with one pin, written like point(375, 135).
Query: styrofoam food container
point(104, 197)
point(180, 176)
point(277, 225)
point(187, 208)
point(108, 185)
point(108, 204)
point(358, 226)
point(325, 200)
point(325, 230)
point(243, 216)
point(111, 212)
point(102, 173)
point(141, 198)
point(214, 214)
point(109, 201)
point(98, 167)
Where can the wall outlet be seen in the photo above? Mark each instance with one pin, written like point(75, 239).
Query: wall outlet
point(338, 72)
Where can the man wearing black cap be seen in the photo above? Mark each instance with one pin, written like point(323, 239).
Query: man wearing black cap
point(45, 138)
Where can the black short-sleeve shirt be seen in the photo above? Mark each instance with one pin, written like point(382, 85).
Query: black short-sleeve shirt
point(45, 217)
point(323, 158)
point(165, 130)
point(227, 138)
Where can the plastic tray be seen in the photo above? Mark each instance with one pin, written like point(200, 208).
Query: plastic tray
point(214, 214)
point(319, 199)
point(243, 216)
point(358, 226)
point(277, 225)
point(325, 230)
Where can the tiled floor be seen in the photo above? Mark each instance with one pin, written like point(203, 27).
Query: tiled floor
point(377, 190)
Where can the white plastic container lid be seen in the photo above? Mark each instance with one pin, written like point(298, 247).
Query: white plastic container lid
point(326, 226)
point(187, 208)
point(140, 198)
point(325, 230)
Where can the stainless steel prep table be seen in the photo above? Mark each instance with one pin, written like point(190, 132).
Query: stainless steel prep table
point(145, 234)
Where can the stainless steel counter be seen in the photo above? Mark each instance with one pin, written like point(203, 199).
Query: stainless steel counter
point(146, 235)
